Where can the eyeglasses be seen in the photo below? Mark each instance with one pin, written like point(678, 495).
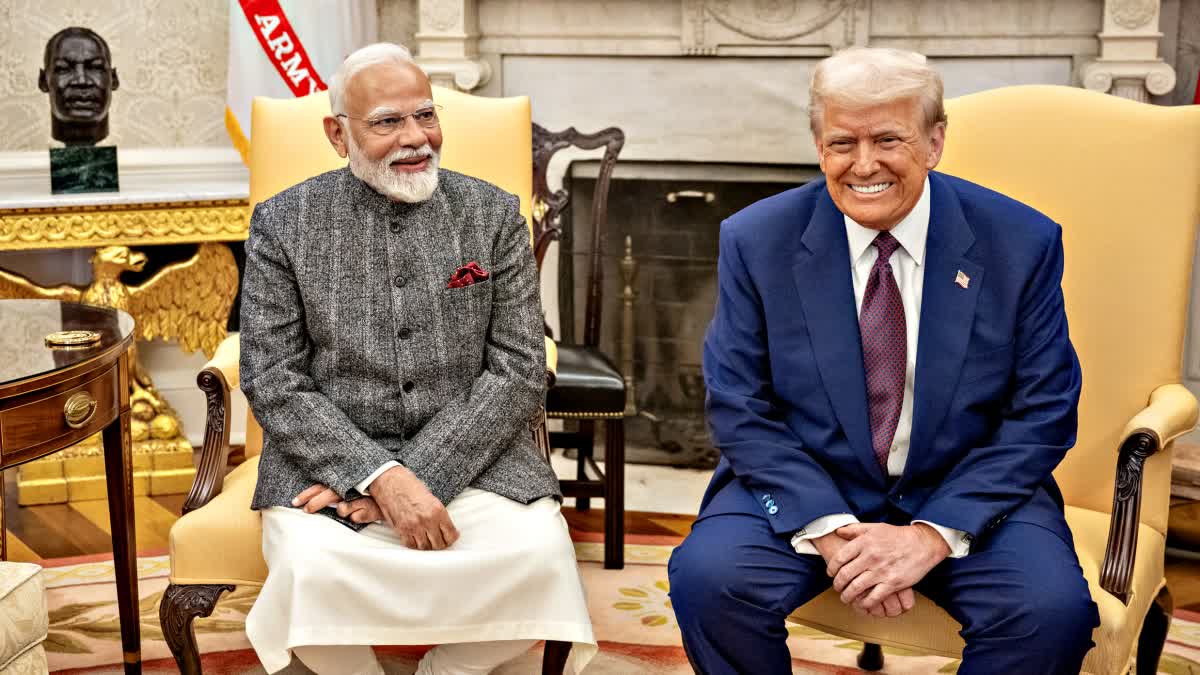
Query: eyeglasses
point(386, 125)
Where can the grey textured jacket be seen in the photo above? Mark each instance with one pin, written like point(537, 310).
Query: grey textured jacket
point(354, 351)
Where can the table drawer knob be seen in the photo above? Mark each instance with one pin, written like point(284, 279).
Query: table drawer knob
point(79, 410)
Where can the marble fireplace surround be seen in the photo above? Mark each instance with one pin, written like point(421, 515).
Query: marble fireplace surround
point(725, 81)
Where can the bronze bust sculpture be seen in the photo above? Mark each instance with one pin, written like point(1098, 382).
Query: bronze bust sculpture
point(78, 74)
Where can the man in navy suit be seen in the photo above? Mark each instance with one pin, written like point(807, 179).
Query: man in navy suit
point(890, 383)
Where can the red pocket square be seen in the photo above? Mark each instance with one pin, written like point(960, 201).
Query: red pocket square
point(466, 275)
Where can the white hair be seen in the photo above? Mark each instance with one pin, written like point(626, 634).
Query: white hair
point(862, 77)
point(371, 55)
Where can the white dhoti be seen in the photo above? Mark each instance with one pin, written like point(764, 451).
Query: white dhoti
point(511, 575)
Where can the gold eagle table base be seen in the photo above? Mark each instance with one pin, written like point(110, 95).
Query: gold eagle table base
point(188, 301)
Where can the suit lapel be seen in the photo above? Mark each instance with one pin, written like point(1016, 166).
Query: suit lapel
point(826, 291)
point(947, 316)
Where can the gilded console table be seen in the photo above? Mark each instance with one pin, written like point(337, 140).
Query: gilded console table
point(188, 301)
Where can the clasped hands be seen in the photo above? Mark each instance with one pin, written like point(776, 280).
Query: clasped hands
point(398, 498)
point(875, 566)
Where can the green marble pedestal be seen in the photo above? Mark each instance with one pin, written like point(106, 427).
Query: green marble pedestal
point(83, 168)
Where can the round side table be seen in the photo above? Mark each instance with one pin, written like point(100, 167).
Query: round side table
point(64, 375)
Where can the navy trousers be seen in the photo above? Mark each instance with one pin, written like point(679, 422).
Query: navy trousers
point(1020, 596)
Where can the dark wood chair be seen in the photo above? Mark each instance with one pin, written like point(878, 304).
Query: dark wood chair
point(589, 388)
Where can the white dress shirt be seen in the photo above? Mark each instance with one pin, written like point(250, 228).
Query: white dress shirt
point(366, 483)
point(908, 267)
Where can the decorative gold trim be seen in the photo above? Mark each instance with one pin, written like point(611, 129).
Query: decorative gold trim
point(124, 224)
point(584, 415)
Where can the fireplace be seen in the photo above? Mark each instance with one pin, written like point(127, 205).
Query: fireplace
point(672, 214)
point(712, 97)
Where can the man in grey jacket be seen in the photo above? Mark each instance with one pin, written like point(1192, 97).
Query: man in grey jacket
point(392, 351)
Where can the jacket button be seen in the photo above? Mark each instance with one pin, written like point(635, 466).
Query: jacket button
point(404, 333)
point(395, 228)
point(408, 386)
point(773, 510)
point(398, 281)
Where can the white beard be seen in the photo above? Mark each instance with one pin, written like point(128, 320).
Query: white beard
point(398, 187)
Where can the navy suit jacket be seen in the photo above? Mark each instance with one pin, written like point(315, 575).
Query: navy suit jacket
point(997, 380)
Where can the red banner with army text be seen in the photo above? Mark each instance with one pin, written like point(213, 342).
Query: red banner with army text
point(283, 48)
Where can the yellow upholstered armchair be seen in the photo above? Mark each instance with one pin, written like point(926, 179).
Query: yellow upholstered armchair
point(1123, 181)
point(216, 545)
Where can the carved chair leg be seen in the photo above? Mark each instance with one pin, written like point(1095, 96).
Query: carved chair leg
point(1154, 633)
point(614, 494)
point(554, 657)
point(180, 605)
point(871, 657)
point(587, 436)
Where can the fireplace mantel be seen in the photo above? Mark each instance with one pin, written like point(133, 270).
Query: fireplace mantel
point(1110, 44)
point(726, 80)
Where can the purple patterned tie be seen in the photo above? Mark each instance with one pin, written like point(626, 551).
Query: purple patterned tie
point(885, 347)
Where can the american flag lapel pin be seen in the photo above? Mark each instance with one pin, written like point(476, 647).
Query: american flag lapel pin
point(962, 279)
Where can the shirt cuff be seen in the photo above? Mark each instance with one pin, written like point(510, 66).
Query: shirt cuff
point(362, 487)
point(958, 541)
point(819, 528)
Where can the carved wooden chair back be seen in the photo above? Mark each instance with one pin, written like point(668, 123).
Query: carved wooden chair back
point(548, 207)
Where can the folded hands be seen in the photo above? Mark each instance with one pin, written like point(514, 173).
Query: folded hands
point(875, 565)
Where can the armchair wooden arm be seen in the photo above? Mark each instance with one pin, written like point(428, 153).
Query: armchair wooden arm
point(217, 379)
point(1172, 412)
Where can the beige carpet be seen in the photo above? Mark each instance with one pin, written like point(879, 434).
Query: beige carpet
point(630, 611)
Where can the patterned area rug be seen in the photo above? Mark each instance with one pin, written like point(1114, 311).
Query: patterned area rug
point(630, 610)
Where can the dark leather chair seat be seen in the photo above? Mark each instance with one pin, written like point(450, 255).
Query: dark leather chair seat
point(588, 384)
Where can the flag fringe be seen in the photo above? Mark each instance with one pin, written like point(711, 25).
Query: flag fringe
point(240, 142)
